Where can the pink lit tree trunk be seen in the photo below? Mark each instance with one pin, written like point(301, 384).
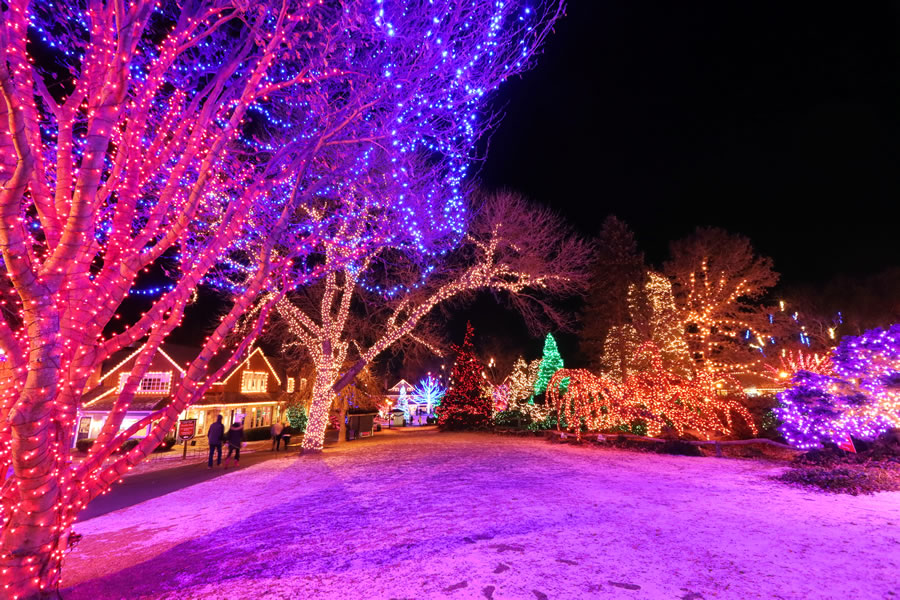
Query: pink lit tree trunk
point(221, 143)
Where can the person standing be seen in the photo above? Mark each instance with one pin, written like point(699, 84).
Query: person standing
point(277, 429)
point(215, 436)
point(235, 439)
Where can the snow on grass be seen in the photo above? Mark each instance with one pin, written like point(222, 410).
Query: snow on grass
point(428, 515)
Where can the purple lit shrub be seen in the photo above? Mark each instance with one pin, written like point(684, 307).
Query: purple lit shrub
point(861, 400)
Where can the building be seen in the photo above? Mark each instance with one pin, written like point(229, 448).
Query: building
point(255, 391)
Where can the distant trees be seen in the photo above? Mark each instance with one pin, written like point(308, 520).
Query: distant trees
point(704, 311)
point(618, 265)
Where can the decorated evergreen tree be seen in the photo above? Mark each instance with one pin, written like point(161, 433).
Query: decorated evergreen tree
point(465, 406)
point(550, 364)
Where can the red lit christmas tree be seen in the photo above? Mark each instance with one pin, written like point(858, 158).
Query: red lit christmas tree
point(465, 406)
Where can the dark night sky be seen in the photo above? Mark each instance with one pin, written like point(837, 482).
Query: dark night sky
point(777, 120)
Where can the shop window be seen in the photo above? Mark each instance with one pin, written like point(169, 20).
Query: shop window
point(254, 381)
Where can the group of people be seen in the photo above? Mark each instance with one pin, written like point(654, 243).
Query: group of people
point(234, 438)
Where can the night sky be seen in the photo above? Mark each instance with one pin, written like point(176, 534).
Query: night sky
point(778, 120)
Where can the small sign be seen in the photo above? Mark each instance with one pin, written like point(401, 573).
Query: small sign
point(187, 429)
point(847, 444)
point(363, 434)
point(563, 435)
point(84, 428)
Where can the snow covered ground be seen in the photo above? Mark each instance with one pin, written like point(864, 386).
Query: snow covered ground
point(419, 514)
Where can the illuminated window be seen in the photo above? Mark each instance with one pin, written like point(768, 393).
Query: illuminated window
point(153, 383)
point(254, 381)
point(290, 385)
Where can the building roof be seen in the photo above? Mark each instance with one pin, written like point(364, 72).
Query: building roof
point(401, 384)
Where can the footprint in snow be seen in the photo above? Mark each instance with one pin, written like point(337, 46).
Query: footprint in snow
point(488, 592)
point(500, 568)
point(505, 547)
point(625, 586)
point(456, 586)
point(566, 561)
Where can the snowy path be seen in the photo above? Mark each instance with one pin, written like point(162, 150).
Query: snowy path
point(458, 516)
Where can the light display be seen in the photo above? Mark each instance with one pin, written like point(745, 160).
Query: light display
point(716, 276)
point(403, 404)
point(551, 362)
point(465, 405)
point(666, 329)
point(656, 397)
point(620, 349)
point(206, 139)
point(429, 392)
point(521, 379)
point(861, 399)
point(500, 398)
point(654, 317)
point(793, 361)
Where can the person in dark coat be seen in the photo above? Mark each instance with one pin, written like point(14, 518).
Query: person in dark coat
point(235, 439)
point(276, 430)
point(216, 436)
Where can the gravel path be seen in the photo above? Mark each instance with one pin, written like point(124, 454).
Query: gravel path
point(426, 515)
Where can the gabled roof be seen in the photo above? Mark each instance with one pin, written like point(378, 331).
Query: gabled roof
point(241, 365)
point(118, 360)
point(401, 384)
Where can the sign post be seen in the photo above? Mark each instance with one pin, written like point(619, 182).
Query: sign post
point(187, 429)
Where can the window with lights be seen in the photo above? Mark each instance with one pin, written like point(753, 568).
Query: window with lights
point(153, 383)
point(254, 381)
point(290, 385)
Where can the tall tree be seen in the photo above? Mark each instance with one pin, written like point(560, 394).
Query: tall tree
point(618, 265)
point(224, 142)
point(465, 405)
point(719, 280)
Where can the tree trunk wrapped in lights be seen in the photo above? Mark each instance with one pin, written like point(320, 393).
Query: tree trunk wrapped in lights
point(654, 397)
point(218, 142)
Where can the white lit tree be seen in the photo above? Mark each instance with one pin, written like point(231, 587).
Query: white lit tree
point(511, 247)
